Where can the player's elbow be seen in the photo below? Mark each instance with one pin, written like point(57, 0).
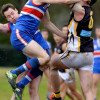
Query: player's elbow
point(46, 24)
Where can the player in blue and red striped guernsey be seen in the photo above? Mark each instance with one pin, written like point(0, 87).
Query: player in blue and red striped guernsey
point(35, 74)
point(96, 67)
point(22, 39)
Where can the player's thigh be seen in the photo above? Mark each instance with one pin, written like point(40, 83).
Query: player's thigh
point(24, 43)
point(34, 84)
point(86, 79)
point(33, 49)
point(96, 78)
point(72, 86)
point(56, 63)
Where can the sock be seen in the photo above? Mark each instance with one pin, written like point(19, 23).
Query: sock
point(57, 94)
point(32, 74)
point(30, 64)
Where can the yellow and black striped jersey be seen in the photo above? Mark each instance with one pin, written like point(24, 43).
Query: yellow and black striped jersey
point(79, 32)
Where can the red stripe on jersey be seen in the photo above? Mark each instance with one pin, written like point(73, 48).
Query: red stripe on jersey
point(33, 11)
point(28, 65)
point(9, 28)
point(30, 75)
point(96, 53)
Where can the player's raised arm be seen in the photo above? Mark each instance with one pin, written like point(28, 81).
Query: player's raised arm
point(50, 26)
point(57, 1)
point(4, 28)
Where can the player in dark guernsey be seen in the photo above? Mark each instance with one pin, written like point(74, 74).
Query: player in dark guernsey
point(79, 51)
point(67, 77)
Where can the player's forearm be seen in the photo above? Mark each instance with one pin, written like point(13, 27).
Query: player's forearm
point(50, 26)
point(59, 1)
point(72, 1)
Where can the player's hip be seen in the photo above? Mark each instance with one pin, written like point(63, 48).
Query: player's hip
point(77, 60)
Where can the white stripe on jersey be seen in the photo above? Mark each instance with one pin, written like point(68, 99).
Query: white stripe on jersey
point(20, 38)
point(35, 8)
point(22, 12)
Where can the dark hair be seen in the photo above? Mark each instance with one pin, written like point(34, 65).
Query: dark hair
point(5, 7)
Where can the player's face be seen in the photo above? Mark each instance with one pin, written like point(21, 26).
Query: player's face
point(57, 38)
point(11, 15)
point(45, 35)
point(97, 32)
point(65, 30)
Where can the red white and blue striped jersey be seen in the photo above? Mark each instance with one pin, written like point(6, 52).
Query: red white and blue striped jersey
point(30, 16)
point(96, 51)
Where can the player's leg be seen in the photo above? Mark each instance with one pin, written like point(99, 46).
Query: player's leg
point(38, 56)
point(75, 92)
point(19, 78)
point(96, 78)
point(32, 74)
point(64, 76)
point(55, 81)
point(47, 74)
point(30, 48)
point(22, 42)
point(33, 88)
point(65, 91)
point(86, 81)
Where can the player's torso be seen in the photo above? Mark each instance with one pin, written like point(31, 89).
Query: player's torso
point(79, 35)
point(30, 16)
point(96, 52)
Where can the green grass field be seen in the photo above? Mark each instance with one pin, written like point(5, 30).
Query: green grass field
point(6, 92)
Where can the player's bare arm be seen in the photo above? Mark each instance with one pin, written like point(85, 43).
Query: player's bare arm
point(50, 26)
point(56, 1)
point(4, 28)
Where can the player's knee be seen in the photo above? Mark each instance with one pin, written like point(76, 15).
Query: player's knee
point(33, 91)
point(86, 90)
point(46, 59)
point(95, 83)
point(53, 63)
